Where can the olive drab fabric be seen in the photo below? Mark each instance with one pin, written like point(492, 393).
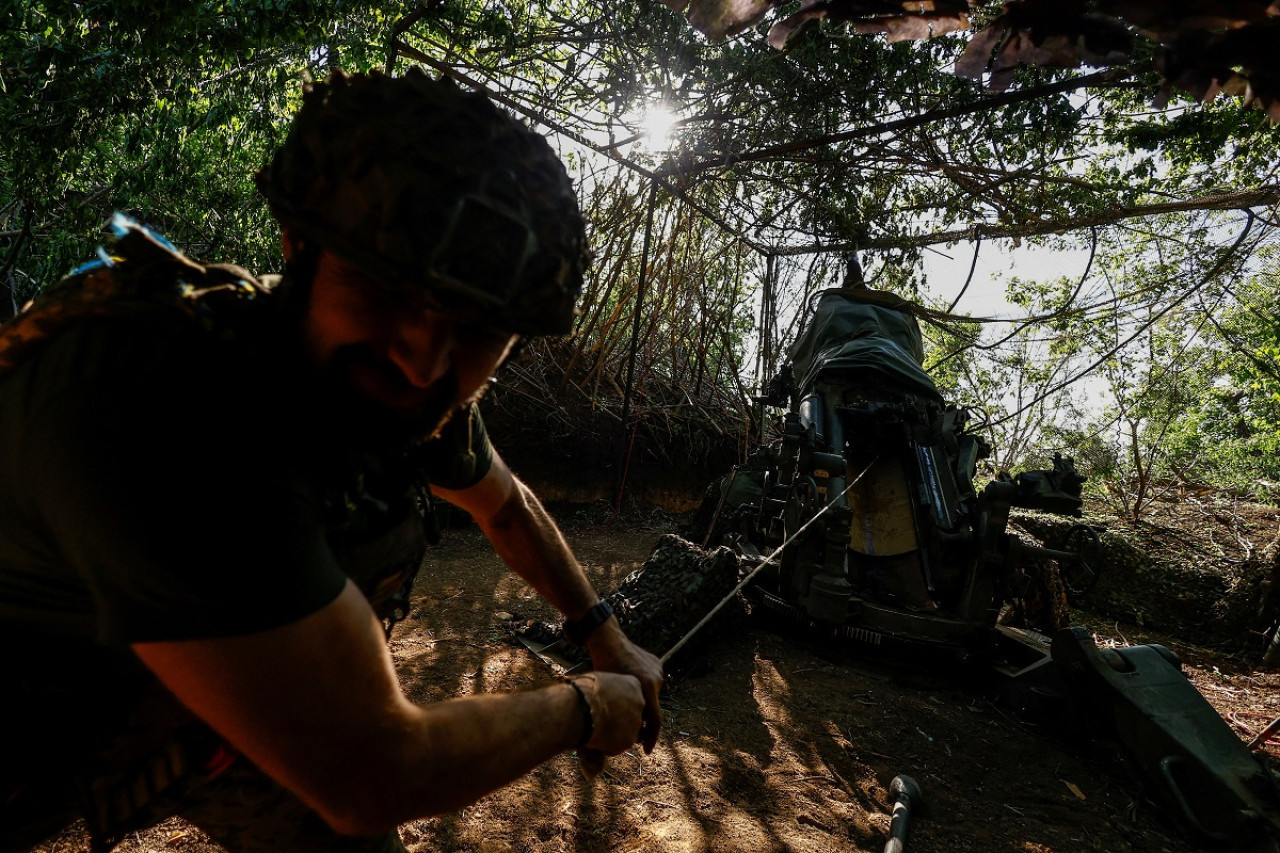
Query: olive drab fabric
point(873, 335)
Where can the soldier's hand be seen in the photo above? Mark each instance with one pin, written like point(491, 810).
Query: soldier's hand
point(617, 708)
point(611, 651)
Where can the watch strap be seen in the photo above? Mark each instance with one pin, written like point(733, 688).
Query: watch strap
point(578, 630)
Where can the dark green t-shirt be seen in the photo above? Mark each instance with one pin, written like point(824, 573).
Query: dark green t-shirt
point(159, 483)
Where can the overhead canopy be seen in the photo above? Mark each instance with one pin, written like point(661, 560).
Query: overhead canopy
point(839, 142)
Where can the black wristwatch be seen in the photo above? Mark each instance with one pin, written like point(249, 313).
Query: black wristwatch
point(578, 630)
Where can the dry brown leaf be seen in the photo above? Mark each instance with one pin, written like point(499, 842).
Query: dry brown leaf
point(718, 19)
point(1205, 47)
point(783, 31)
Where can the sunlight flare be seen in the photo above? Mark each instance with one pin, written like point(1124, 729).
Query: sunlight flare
point(657, 125)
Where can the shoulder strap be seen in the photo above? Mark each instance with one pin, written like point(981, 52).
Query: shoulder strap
point(142, 270)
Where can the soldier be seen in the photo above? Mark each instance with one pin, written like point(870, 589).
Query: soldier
point(209, 488)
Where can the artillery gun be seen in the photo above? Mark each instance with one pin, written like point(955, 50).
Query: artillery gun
point(879, 471)
point(861, 521)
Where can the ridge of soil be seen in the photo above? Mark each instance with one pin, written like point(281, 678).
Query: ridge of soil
point(775, 742)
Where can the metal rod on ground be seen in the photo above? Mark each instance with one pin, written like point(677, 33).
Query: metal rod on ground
point(906, 796)
point(591, 761)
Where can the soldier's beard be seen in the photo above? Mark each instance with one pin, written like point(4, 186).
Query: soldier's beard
point(363, 398)
point(373, 405)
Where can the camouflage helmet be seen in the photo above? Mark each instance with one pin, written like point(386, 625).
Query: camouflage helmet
point(425, 186)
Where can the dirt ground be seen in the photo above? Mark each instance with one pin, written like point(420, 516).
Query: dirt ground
point(771, 742)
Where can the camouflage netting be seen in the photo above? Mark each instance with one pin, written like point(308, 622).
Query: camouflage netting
point(680, 583)
point(665, 598)
point(1038, 599)
point(1167, 580)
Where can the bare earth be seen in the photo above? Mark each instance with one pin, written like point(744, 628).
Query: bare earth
point(771, 742)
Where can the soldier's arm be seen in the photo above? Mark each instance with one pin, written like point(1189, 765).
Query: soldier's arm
point(528, 540)
point(316, 705)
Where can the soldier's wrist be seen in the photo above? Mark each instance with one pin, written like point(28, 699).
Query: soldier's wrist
point(583, 709)
point(579, 631)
